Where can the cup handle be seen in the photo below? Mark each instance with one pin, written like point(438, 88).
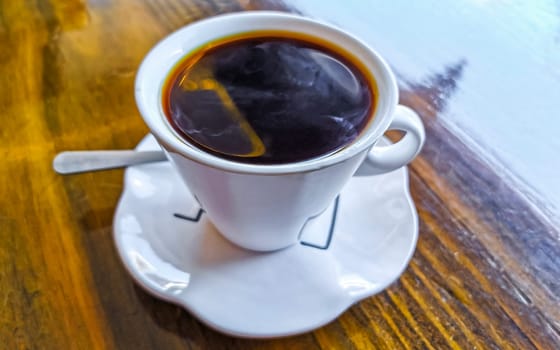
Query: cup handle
point(382, 159)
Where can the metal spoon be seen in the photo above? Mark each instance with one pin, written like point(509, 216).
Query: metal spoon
point(74, 162)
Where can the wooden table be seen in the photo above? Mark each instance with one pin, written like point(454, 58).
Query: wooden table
point(486, 272)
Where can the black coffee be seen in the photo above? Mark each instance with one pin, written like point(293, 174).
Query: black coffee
point(268, 99)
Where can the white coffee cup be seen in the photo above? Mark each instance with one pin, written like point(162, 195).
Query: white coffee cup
point(264, 207)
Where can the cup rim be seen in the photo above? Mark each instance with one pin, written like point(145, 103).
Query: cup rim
point(171, 49)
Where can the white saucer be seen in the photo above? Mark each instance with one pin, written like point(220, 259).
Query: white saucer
point(355, 249)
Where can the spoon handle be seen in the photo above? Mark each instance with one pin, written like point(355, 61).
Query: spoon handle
point(83, 161)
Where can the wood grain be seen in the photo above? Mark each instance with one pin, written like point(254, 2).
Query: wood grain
point(485, 275)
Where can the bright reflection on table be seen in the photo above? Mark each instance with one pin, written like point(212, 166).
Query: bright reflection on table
point(506, 59)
